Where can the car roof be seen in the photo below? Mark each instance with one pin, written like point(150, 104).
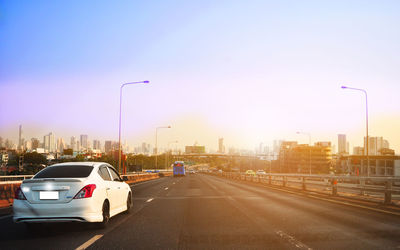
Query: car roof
point(80, 163)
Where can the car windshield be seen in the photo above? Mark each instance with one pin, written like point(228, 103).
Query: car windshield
point(65, 171)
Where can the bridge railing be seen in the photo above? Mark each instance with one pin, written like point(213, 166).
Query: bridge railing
point(388, 186)
point(9, 184)
point(4, 178)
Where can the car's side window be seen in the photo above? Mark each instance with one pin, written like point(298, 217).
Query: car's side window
point(103, 172)
point(114, 175)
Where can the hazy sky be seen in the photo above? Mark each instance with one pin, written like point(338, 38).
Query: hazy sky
point(248, 71)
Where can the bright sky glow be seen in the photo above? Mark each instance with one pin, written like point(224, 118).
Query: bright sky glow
point(248, 71)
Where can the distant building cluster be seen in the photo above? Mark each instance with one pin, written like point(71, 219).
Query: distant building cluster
point(285, 156)
point(304, 158)
point(195, 149)
point(376, 146)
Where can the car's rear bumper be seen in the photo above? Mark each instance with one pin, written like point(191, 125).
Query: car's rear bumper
point(76, 210)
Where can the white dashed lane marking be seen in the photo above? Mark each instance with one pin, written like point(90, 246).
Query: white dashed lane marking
point(149, 200)
point(89, 242)
point(292, 240)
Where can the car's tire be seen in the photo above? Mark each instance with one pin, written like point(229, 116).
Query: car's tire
point(106, 215)
point(33, 227)
point(128, 203)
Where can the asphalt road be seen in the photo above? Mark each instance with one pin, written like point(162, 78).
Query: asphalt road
point(207, 212)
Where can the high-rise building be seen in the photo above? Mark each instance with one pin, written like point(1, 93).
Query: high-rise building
point(260, 149)
point(342, 144)
point(52, 143)
point(96, 144)
point(73, 143)
point(266, 150)
point(28, 145)
point(277, 146)
point(49, 143)
point(144, 148)
point(60, 145)
point(46, 142)
point(375, 145)
point(108, 146)
point(221, 147)
point(20, 139)
point(35, 143)
point(84, 141)
point(8, 144)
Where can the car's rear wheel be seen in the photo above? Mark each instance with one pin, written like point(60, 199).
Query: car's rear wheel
point(33, 227)
point(128, 203)
point(106, 215)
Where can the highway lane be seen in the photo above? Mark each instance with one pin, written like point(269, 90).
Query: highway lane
point(71, 235)
point(316, 223)
point(201, 211)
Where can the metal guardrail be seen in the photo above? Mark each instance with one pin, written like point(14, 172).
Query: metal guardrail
point(383, 185)
point(7, 178)
point(14, 177)
point(9, 183)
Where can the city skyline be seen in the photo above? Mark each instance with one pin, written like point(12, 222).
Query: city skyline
point(51, 144)
point(259, 80)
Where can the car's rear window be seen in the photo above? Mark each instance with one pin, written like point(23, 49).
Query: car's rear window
point(65, 171)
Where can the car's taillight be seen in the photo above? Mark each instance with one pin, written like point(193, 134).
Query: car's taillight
point(19, 195)
point(86, 191)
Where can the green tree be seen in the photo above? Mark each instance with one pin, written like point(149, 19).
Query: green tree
point(34, 158)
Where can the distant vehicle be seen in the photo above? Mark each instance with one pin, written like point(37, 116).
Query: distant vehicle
point(191, 171)
point(260, 172)
point(179, 169)
point(251, 172)
point(72, 192)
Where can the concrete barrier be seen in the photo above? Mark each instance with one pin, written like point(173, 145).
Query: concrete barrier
point(8, 188)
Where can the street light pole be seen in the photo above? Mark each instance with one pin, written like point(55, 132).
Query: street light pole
point(156, 150)
point(366, 144)
point(309, 143)
point(120, 112)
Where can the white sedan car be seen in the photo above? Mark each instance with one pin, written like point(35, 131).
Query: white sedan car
point(74, 191)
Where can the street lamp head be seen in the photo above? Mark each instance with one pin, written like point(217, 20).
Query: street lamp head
point(169, 126)
point(146, 81)
point(344, 87)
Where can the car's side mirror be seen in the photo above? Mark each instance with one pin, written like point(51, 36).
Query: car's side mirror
point(125, 178)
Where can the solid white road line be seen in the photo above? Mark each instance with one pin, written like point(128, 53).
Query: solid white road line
point(166, 188)
point(89, 242)
point(149, 200)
